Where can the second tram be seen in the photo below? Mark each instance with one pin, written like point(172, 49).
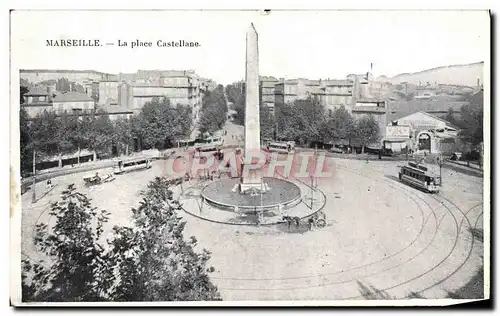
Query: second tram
point(420, 176)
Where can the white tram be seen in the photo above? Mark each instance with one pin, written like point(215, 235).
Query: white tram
point(419, 176)
point(281, 147)
point(126, 165)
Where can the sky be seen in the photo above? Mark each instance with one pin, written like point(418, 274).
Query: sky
point(292, 44)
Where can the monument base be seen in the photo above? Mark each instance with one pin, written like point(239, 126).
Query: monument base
point(253, 188)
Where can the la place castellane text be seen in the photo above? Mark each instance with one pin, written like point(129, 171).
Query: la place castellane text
point(120, 43)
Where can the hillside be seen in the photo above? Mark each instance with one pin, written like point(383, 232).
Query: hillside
point(463, 75)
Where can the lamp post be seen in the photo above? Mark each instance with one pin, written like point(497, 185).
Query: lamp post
point(440, 160)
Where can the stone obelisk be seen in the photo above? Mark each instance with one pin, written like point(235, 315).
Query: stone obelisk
point(251, 178)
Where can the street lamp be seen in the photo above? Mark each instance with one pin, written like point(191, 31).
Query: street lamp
point(440, 161)
point(33, 196)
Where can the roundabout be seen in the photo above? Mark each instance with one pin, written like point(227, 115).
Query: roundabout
point(383, 239)
point(282, 193)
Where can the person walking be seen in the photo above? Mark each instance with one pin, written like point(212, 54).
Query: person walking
point(310, 221)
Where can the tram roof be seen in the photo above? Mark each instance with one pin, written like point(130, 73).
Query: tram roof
point(134, 159)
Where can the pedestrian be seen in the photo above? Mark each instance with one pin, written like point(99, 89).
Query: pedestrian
point(310, 221)
point(49, 183)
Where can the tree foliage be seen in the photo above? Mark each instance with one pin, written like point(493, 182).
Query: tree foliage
point(236, 96)
point(25, 152)
point(470, 119)
point(79, 262)
point(301, 120)
point(234, 93)
point(51, 134)
point(159, 122)
point(471, 123)
point(366, 131)
point(148, 261)
point(156, 262)
point(267, 125)
point(340, 126)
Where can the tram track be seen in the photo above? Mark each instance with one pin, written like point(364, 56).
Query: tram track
point(438, 223)
point(351, 269)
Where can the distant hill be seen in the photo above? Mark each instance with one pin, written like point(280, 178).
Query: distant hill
point(462, 75)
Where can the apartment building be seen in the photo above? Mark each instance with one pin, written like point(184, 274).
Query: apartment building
point(36, 101)
point(267, 91)
point(72, 102)
point(132, 91)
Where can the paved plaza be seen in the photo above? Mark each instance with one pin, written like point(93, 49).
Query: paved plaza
point(383, 239)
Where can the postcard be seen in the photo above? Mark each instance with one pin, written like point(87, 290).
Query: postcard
point(250, 158)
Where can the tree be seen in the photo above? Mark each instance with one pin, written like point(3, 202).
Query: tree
point(155, 261)
point(214, 111)
point(367, 131)
point(159, 122)
point(101, 131)
point(239, 117)
point(26, 152)
point(44, 130)
point(23, 91)
point(472, 123)
point(301, 120)
point(234, 93)
point(340, 126)
point(267, 123)
point(450, 117)
point(237, 97)
point(79, 263)
point(123, 133)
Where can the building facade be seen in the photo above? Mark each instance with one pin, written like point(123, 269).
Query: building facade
point(423, 132)
point(78, 76)
point(267, 91)
point(36, 101)
point(133, 91)
point(108, 92)
point(335, 93)
point(376, 108)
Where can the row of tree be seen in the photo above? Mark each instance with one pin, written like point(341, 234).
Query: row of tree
point(306, 122)
point(235, 95)
point(214, 111)
point(149, 261)
point(51, 134)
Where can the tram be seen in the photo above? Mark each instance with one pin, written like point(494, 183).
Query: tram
point(206, 149)
point(419, 176)
point(123, 166)
point(281, 147)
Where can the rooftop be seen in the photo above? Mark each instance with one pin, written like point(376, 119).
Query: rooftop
point(72, 96)
point(37, 91)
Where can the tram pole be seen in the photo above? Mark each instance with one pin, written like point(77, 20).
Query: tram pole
point(440, 170)
point(33, 196)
